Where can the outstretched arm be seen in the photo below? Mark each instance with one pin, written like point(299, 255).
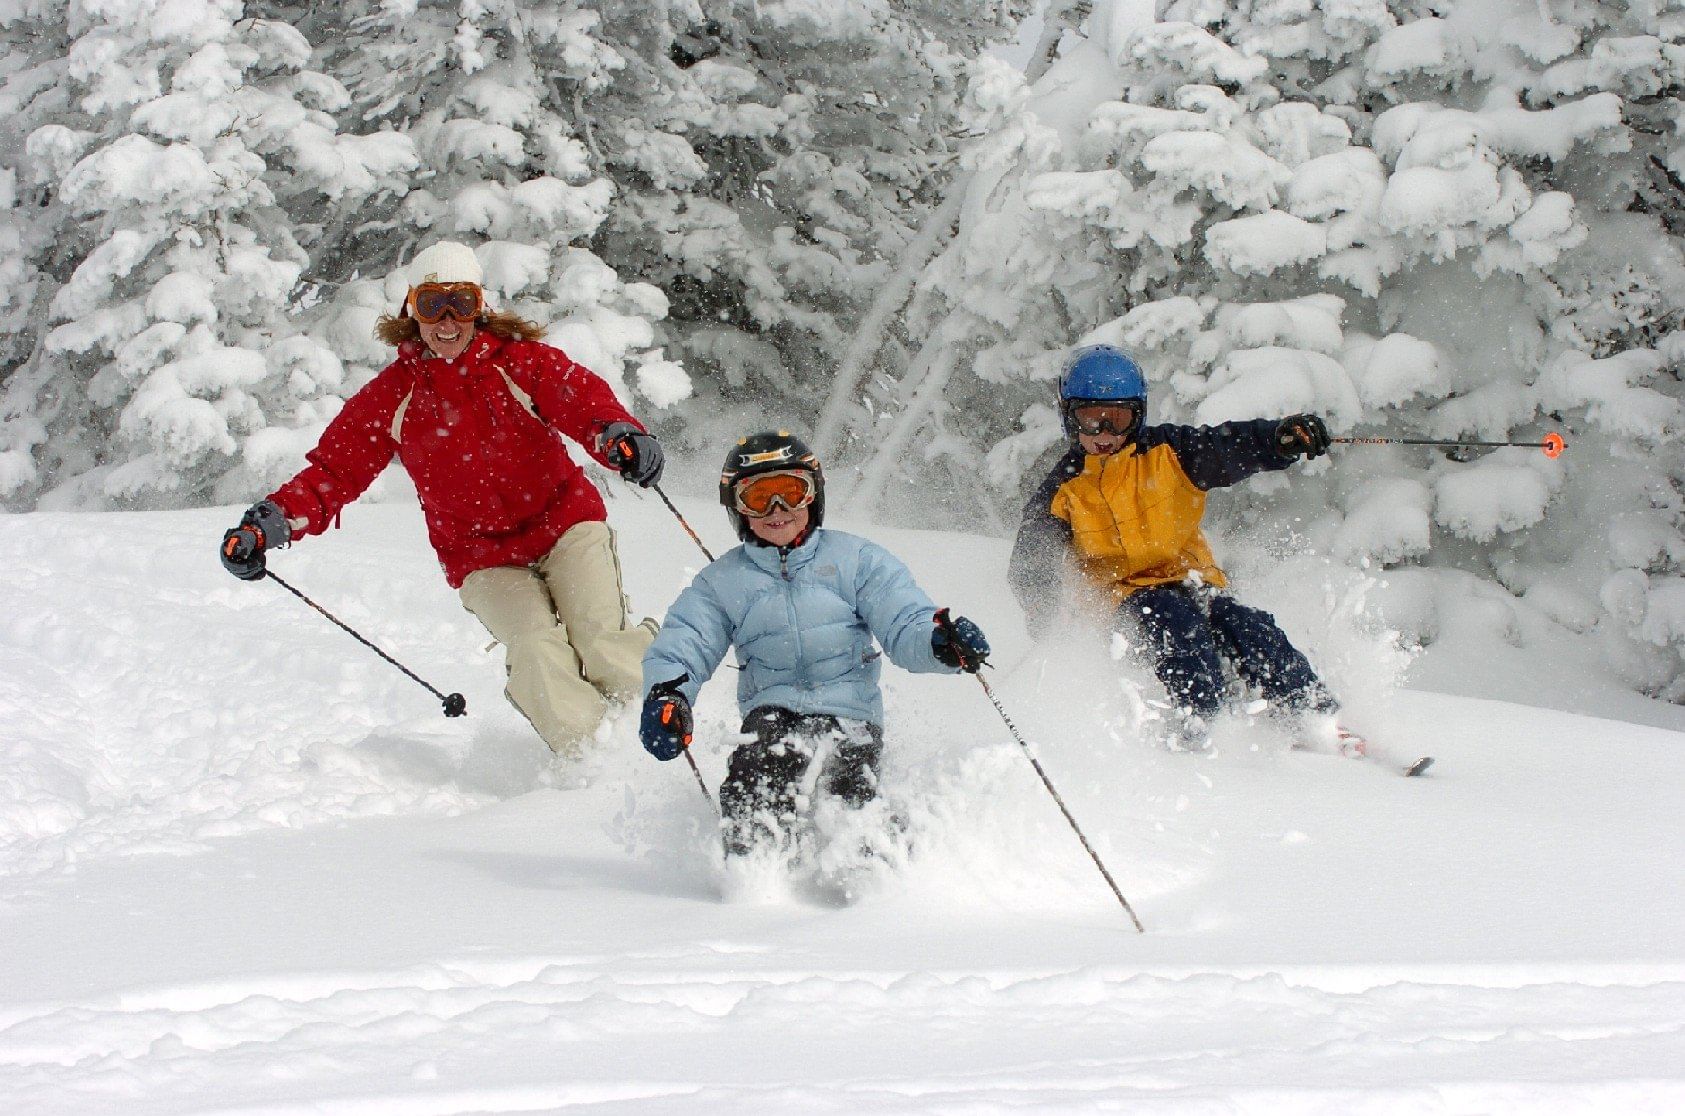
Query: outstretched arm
point(352, 451)
point(694, 637)
point(1222, 455)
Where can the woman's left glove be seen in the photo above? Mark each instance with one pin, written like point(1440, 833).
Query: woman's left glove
point(666, 725)
point(958, 643)
point(637, 455)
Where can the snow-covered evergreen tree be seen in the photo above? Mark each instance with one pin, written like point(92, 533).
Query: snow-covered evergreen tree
point(154, 339)
point(737, 173)
point(1434, 226)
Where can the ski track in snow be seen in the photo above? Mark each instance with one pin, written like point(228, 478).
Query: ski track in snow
point(500, 1037)
point(246, 867)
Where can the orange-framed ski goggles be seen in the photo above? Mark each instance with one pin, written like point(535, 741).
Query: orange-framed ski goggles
point(431, 303)
point(791, 489)
point(1099, 418)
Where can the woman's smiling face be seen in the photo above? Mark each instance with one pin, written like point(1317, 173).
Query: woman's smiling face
point(447, 337)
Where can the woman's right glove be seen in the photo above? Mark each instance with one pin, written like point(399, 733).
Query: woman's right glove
point(264, 525)
point(666, 725)
point(958, 643)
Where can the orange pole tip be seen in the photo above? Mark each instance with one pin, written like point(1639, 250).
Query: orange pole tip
point(1553, 445)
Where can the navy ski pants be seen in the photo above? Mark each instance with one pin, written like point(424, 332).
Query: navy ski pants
point(1188, 632)
point(759, 798)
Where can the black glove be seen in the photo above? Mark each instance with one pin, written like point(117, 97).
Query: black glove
point(637, 455)
point(666, 724)
point(264, 525)
point(1302, 436)
point(958, 643)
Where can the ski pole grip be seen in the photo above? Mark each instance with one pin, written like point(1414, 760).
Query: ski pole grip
point(456, 705)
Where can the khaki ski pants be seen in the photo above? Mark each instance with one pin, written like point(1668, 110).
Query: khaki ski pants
point(562, 621)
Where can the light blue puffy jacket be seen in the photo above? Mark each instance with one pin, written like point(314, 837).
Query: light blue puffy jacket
point(802, 623)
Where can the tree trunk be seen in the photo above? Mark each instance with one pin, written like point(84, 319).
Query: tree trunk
point(931, 369)
point(891, 297)
point(1062, 16)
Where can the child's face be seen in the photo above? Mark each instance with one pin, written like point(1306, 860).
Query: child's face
point(782, 527)
point(1103, 444)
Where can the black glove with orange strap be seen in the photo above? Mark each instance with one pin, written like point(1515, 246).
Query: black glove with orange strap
point(263, 526)
point(637, 455)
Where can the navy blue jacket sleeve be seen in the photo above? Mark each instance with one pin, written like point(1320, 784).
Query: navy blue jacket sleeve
point(1218, 456)
point(1042, 545)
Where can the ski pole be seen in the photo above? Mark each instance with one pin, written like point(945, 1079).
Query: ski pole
point(697, 771)
point(455, 704)
point(1551, 444)
point(694, 537)
point(947, 623)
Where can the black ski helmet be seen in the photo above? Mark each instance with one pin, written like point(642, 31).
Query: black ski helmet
point(769, 452)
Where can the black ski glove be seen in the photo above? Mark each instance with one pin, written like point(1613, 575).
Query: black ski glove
point(666, 725)
point(637, 455)
point(263, 526)
point(1302, 436)
point(958, 643)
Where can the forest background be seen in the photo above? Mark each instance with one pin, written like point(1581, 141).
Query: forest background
point(883, 223)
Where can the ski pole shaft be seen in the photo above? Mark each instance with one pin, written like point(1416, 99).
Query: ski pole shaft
point(1063, 809)
point(697, 771)
point(455, 704)
point(1041, 773)
point(1551, 444)
point(694, 537)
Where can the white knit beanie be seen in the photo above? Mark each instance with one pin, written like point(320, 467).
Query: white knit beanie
point(445, 262)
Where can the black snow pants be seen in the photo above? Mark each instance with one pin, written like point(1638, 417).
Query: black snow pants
point(1188, 632)
point(762, 792)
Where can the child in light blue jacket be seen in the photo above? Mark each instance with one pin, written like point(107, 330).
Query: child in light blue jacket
point(803, 607)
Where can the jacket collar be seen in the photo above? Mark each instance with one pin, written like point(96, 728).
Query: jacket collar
point(1094, 463)
point(484, 345)
point(774, 560)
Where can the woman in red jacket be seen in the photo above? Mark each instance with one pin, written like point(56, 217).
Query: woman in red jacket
point(474, 407)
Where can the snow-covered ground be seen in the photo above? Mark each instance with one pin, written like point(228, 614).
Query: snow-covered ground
point(245, 866)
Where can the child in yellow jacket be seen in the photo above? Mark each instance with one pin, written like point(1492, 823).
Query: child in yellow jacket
point(1126, 502)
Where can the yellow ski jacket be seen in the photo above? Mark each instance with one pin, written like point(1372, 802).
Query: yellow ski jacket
point(1132, 519)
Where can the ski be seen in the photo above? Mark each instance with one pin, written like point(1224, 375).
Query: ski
point(1356, 747)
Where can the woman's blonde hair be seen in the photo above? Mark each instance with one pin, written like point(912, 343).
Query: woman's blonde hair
point(395, 329)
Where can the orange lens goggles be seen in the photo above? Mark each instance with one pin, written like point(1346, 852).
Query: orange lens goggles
point(1099, 418)
point(756, 496)
point(433, 302)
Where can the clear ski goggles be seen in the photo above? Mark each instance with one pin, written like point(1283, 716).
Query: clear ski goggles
point(791, 489)
point(431, 303)
point(1105, 418)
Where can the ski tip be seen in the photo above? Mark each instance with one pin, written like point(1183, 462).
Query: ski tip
point(1419, 766)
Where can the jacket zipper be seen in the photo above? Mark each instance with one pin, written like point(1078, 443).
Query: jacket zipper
point(790, 604)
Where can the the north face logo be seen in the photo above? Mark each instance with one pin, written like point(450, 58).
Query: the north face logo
point(826, 571)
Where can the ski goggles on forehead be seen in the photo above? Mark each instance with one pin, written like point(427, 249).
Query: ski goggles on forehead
point(791, 489)
point(432, 302)
point(1103, 418)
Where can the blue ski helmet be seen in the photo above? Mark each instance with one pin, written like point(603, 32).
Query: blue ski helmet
point(1100, 374)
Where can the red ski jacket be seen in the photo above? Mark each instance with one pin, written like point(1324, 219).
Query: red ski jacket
point(480, 438)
